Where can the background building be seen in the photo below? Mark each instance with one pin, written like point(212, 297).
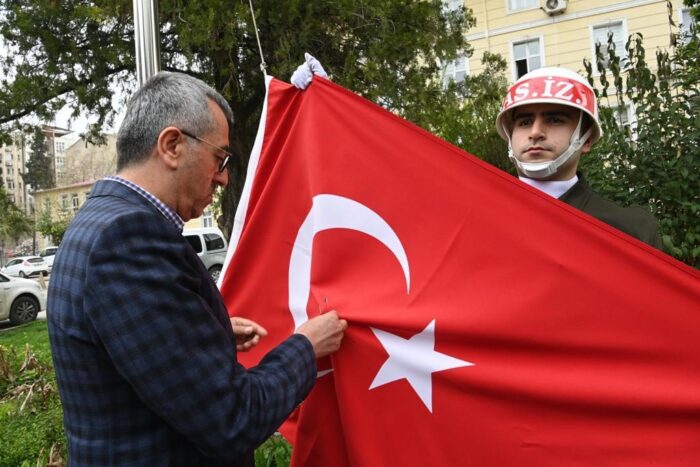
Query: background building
point(84, 161)
point(532, 34)
point(60, 203)
point(13, 157)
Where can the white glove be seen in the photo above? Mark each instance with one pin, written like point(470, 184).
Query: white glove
point(304, 74)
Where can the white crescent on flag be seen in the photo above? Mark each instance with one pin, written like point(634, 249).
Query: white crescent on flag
point(334, 212)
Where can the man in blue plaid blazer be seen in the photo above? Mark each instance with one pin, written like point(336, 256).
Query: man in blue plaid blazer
point(144, 350)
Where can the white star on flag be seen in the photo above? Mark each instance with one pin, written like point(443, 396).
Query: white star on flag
point(414, 359)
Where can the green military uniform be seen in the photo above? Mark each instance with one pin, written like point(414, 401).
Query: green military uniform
point(634, 220)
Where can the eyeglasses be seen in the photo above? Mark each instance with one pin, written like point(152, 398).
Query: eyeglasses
point(222, 162)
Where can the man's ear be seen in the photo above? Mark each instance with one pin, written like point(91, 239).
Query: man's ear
point(587, 146)
point(587, 123)
point(170, 147)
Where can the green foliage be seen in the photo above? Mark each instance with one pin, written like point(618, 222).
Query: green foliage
point(13, 222)
point(72, 51)
point(469, 122)
point(39, 172)
point(31, 419)
point(54, 229)
point(275, 452)
point(657, 164)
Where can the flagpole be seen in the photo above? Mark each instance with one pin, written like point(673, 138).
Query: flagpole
point(263, 65)
point(147, 39)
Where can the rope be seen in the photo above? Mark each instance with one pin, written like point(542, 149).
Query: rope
point(263, 65)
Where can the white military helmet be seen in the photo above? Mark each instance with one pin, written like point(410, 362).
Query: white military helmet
point(550, 86)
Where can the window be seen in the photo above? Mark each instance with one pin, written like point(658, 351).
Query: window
point(686, 25)
point(527, 56)
point(624, 116)
point(194, 242)
point(208, 219)
point(514, 5)
point(452, 5)
point(75, 202)
point(456, 70)
point(213, 242)
point(64, 202)
point(600, 34)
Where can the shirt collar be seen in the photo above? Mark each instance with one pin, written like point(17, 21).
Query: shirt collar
point(163, 208)
point(553, 188)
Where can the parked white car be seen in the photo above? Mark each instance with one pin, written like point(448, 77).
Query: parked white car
point(20, 299)
point(26, 266)
point(49, 254)
point(210, 245)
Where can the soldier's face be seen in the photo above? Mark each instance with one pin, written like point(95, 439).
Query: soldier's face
point(542, 132)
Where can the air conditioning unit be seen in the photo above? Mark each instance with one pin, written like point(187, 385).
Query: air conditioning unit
point(554, 7)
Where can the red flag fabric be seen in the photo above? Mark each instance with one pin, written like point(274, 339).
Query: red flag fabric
point(489, 324)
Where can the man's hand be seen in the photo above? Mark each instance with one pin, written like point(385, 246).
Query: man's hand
point(247, 332)
point(304, 74)
point(325, 333)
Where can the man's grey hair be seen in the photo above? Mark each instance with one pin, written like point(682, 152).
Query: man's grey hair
point(166, 99)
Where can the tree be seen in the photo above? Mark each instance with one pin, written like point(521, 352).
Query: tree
point(470, 122)
point(655, 161)
point(13, 222)
point(54, 229)
point(390, 52)
point(39, 172)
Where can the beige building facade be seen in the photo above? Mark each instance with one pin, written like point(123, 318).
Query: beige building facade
point(60, 203)
point(84, 161)
point(531, 34)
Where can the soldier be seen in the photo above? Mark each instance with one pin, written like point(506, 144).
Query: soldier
point(549, 118)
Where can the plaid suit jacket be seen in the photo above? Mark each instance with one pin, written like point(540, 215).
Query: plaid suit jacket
point(144, 352)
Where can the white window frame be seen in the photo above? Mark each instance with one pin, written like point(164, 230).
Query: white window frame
point(513, 67)
point(681, 32)
point(631, 118)
point(591, 35)
point(75, 202)
point(208, 218)
point(452, 74)
point(510, 10)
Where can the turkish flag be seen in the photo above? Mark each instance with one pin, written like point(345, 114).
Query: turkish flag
point(489, 324)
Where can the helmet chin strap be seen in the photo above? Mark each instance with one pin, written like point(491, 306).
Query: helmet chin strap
point(539, 170)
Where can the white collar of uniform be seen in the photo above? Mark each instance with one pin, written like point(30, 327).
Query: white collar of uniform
point(553, 188)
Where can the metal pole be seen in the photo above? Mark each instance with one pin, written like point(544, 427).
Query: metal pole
point(147, 39)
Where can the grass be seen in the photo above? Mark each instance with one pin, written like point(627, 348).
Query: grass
point(35, 334)
point(29, 433)
point(30, 410)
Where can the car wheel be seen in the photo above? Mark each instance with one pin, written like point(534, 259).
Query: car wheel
point(22, 275)
point(215, 271)
point(24, 309)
